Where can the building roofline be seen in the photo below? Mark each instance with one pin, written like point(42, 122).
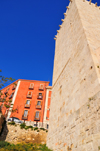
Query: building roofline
point(25, 80)
point(33, 80)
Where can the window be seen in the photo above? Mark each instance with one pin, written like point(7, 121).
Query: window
point(41, 87)
point(47, 126)
point(28, 102)
point(6, 91)
point(14, 87)
point(31, 86)
point(11, 95)
point(29, 95)
point(37, 114)
point(40, 94)
point(39, 103)
point(25, 113)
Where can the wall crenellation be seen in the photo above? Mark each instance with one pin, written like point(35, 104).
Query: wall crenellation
point(68, 7)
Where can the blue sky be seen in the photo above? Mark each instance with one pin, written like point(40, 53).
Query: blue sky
point(27, 29)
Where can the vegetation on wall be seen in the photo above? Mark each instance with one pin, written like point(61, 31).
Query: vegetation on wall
point(5, 146)
point(23, 126)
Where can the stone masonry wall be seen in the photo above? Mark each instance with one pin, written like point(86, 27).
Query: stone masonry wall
point(76, 78)
point(14, 134)
point(81, 131)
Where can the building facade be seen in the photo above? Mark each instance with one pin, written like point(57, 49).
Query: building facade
point(74, 123)
point(28, 101)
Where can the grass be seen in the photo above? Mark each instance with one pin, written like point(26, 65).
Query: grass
point(5, 146)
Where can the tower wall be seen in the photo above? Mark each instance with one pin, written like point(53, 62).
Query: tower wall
point(76, 80)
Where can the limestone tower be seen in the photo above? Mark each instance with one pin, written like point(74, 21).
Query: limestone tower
point(75, 102)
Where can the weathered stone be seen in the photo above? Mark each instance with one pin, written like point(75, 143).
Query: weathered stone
point(16, 135)
point(75, 102)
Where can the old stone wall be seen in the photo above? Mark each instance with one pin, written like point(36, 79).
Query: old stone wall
point(76, 78)
point(14, 134)
point(81, 130)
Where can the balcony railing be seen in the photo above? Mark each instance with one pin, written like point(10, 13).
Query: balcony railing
point(37, 119)
point(27, 105)
point(24, 117)
point(29, 95)
point(38, 106)
point(5, 92)
point(31, 87)
point(14, 87)
point(39, 97)
point(11, 97)
point(41, 88)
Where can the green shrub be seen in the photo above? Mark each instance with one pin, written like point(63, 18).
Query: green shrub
point(11, 123)
point(42, 129)
point(30, 126)
point(23, 125)
point(36, 128)
point(46, 131)
point(26, 127)
point(38, 131)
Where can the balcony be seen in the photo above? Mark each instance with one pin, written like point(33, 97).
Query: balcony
point(27, 105)
point(41, 88)
point(39, 97)
point(11, 97)
point(5, 92)
point(24, 118)
point(29, 96)
point(37, 119)
point(31, 87)
point(38, 106)
point(14, 87)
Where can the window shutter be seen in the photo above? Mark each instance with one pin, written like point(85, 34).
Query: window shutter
point(41, 103)
point(28, 112)
point(35, 114)
point(23, 113)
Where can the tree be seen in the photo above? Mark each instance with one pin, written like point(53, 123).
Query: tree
point(4, 80)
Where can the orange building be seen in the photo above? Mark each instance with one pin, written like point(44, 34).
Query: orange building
point(29, 101)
